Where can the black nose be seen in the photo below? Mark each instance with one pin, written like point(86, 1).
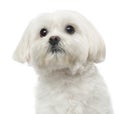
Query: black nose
point(54, 40)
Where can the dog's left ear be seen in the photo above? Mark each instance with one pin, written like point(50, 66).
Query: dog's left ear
point(96, 46)
point(21, 53)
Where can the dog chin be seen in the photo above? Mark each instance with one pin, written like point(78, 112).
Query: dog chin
point(54, 60)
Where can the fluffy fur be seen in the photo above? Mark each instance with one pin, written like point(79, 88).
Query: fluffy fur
point(69, 82)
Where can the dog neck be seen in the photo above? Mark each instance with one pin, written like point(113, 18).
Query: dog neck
point(65, 76)
point(77, 69)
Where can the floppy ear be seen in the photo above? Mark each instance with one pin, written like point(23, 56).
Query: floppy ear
point(21, 53)
point(96, 46)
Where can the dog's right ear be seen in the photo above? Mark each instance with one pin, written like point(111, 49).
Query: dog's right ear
point(21, 53)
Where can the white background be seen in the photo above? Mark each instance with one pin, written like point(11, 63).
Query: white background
point(17, 81)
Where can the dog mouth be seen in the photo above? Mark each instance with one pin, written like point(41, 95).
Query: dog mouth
point(56, 49)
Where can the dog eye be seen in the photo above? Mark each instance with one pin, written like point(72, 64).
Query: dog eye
point(43, 32)
point(70, 29)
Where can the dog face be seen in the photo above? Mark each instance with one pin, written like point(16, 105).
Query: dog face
point(60, 40)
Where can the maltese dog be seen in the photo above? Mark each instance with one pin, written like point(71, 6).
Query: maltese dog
point(63, 48)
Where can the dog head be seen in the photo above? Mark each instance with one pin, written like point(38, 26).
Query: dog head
point(60, 40)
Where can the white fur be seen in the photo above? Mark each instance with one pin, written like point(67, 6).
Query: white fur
point(69, 82)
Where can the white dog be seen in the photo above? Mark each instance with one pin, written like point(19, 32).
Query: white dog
point(63, 47)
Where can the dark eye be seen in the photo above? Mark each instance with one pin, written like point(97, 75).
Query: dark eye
point(69, 29)
point(43, 32)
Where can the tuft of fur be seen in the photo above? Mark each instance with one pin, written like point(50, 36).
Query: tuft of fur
point(69, 82)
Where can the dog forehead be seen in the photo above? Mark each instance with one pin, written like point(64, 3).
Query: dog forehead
point(58, 17)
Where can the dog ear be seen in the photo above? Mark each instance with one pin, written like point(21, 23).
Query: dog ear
point(21, 53)
point(96, 46)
